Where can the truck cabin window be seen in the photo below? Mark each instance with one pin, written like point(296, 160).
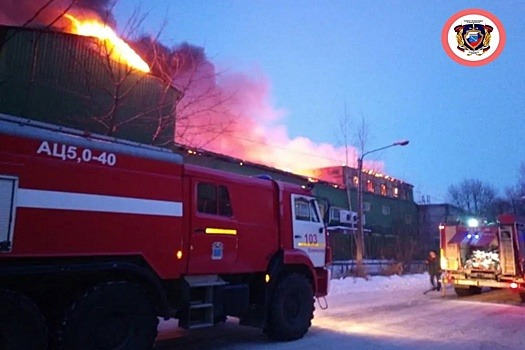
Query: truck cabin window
point(305, 210)
point(212, 199)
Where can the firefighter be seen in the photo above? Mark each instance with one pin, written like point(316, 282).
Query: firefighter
point(434, 270)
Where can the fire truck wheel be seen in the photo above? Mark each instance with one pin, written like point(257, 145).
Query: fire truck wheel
point(291, 308)
point(114, 315)
point(465, 292)
point(475, 290)
point(22, 325)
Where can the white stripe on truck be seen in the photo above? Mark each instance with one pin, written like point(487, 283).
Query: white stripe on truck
point(27, 198)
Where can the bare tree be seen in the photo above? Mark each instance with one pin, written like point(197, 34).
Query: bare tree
point(362, 135)
point(521, 180)
point(407, 243)
point(202, 110)
point(344, 127)
point(473, 195)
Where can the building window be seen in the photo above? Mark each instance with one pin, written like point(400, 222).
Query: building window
point(366, 206)
point(355, 181)
point(386, 210)
point(213, 199)
point(334, 214)
point(369, 186)
point(396, 192)
point(383, 189)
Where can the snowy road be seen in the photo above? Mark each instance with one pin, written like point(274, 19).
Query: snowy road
point(383, 313)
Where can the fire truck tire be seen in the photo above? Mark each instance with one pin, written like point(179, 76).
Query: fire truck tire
point(22, 325)
point(291, 308)
point(475, 290)
point(113, 315)
point(465, 292)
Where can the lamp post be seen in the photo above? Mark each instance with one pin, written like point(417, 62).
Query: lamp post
point(360, 246)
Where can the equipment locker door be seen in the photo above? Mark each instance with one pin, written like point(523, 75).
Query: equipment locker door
point(308, 228)
point(507, 256)
point(213, 237)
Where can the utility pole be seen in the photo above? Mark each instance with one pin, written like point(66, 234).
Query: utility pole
point(360, 241)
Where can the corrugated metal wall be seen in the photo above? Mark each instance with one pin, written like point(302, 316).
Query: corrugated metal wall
point(67, 79)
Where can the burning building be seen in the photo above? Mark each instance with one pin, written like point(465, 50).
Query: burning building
point(94, 83)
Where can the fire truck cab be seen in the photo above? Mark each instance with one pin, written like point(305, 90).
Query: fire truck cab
point(473, 257)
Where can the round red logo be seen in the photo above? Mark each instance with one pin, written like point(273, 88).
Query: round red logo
point(473, 37)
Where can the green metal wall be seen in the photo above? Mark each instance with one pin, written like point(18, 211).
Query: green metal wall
point(65, 79)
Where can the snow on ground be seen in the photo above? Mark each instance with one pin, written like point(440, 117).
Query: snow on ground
point(352, 285)
point(381, 313)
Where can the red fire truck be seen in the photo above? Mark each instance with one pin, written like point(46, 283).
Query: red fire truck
point(99, 237)
point(473, 257)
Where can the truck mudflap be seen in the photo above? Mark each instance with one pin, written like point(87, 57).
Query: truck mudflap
point(322, 276)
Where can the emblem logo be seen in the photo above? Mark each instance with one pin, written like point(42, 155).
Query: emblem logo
point(473, 37)
point(217, 249)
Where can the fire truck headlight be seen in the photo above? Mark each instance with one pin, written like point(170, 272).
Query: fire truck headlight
point(513, 285)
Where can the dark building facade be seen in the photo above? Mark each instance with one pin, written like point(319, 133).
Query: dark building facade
point(431, 215)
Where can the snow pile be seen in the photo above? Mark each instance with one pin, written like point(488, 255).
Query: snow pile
point(351, 285)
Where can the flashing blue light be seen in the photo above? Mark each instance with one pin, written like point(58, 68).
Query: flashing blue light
point(469, 236)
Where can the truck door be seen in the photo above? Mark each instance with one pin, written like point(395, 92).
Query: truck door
point(308, 228)
point(213, 236)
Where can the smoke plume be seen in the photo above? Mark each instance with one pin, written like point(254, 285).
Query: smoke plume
point(48, 13)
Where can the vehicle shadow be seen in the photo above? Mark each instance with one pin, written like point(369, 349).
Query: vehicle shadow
point(226, 335)
point(488, 295)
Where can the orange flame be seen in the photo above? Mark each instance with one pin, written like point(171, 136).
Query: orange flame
point(117, 48)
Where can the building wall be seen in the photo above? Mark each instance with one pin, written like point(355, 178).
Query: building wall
point(431, 216)
point(65, 79)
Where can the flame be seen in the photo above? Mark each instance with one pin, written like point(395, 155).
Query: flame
point(117, 48)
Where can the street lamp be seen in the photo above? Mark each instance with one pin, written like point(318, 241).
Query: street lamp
point(360, 246)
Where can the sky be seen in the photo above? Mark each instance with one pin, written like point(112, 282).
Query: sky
point(381, 62)
point(379, 313)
